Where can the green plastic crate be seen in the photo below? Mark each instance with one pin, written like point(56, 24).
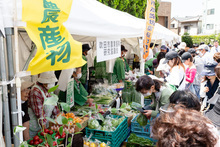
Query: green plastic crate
point(115, 138)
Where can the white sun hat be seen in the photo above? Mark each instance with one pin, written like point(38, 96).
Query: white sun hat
point(182, 45)
point(162, 66)
point(47, 77)
point(26, 84)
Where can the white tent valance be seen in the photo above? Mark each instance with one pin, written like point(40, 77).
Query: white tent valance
point(94, 19)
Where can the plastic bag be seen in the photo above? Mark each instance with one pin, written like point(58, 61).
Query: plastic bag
point(142, 120)
point(93, 124)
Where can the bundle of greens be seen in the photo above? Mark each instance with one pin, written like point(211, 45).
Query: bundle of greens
point(108, 124)
point(134, 139)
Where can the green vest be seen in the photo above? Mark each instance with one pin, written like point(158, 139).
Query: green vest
point(83, 79)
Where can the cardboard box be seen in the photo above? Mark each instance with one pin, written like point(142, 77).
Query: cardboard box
point(83, 123)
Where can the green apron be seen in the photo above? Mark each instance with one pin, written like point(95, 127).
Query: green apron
point(119, 70)
point(34, 125)
point(83, 79)
point(100, 70)
point(149, 66)
point(80, 94)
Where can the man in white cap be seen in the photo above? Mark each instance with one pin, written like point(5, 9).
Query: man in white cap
point(25, 95)
point(204, 54)
point(38, 94)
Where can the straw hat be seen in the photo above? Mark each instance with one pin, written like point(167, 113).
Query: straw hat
point(47, 77)
point(25, 85)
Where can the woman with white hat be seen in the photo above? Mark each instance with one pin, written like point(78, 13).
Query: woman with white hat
point(25, 95)
point(38, 94)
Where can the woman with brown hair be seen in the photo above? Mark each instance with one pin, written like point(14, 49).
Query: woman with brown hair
point(216, 57)
point(177, 76)
point(184, 128)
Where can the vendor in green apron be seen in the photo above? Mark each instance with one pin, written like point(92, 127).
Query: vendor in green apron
point(83, 79)
point(100, 71)
point(160, 94)
point(39, 93)
point(80, 93)
point(121, 66)
point(149, 68)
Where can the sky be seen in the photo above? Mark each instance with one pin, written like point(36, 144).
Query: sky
point(182, 8)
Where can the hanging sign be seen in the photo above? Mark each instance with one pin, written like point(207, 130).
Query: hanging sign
point(56, 49)
point(108, 49)
point(70, 93)
point(150, 23)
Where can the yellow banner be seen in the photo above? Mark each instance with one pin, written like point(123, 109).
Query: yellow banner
point(56, 49)
point(150, 23)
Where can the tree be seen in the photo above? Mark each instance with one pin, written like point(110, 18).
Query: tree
point(187, 39)
point(133, 7)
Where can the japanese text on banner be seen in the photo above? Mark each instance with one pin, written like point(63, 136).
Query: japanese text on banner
point(56, 49)
point(150, 23)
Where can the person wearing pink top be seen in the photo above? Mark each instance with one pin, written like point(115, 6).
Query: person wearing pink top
point(190, 71)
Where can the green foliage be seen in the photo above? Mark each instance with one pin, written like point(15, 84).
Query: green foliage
point(207, 39)
point(61, 130)
point(53, 89)
point(50, 140)
point(65, 107)
point(133, 7)
point(18, 129)
point(187, 39)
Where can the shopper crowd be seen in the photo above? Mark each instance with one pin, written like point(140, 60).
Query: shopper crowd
point(182, 82)
point(186, 105)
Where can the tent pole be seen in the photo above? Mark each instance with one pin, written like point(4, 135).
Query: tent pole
point(141, 64)
point(33, 48)
point(7, 128)
point(12, 96)
point(17, 79)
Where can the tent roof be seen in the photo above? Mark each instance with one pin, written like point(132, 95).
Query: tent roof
point(94, 19)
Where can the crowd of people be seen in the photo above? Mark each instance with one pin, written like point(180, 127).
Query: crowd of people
point(184, 88)
point(182, 82)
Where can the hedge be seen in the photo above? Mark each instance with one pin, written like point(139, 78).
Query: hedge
point(207, 39)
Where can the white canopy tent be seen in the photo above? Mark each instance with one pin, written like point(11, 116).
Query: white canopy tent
point(94, 19)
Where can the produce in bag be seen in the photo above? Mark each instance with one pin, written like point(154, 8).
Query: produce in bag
point(135, 105)
point(115, 123)
point(93, 124)
point(142, 120)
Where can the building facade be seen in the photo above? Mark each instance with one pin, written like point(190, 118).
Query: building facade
point(164, 14)
point(188, 24)
point(211, 15)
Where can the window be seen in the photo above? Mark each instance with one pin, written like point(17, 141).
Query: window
point(166, 22)
point(211, 12)
point(210, 26)
point(186, 29)
point(172, 26)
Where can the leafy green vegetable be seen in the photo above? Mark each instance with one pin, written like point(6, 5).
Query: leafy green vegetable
point(114, 111)
point(120, 120)
point(135, 105)
point(133, 138)
point(123, 105)
point(115, 123)
point(142, 120)
point(93, 124)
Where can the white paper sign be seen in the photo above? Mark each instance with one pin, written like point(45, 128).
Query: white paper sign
point(70, 93)
point(108, 49)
